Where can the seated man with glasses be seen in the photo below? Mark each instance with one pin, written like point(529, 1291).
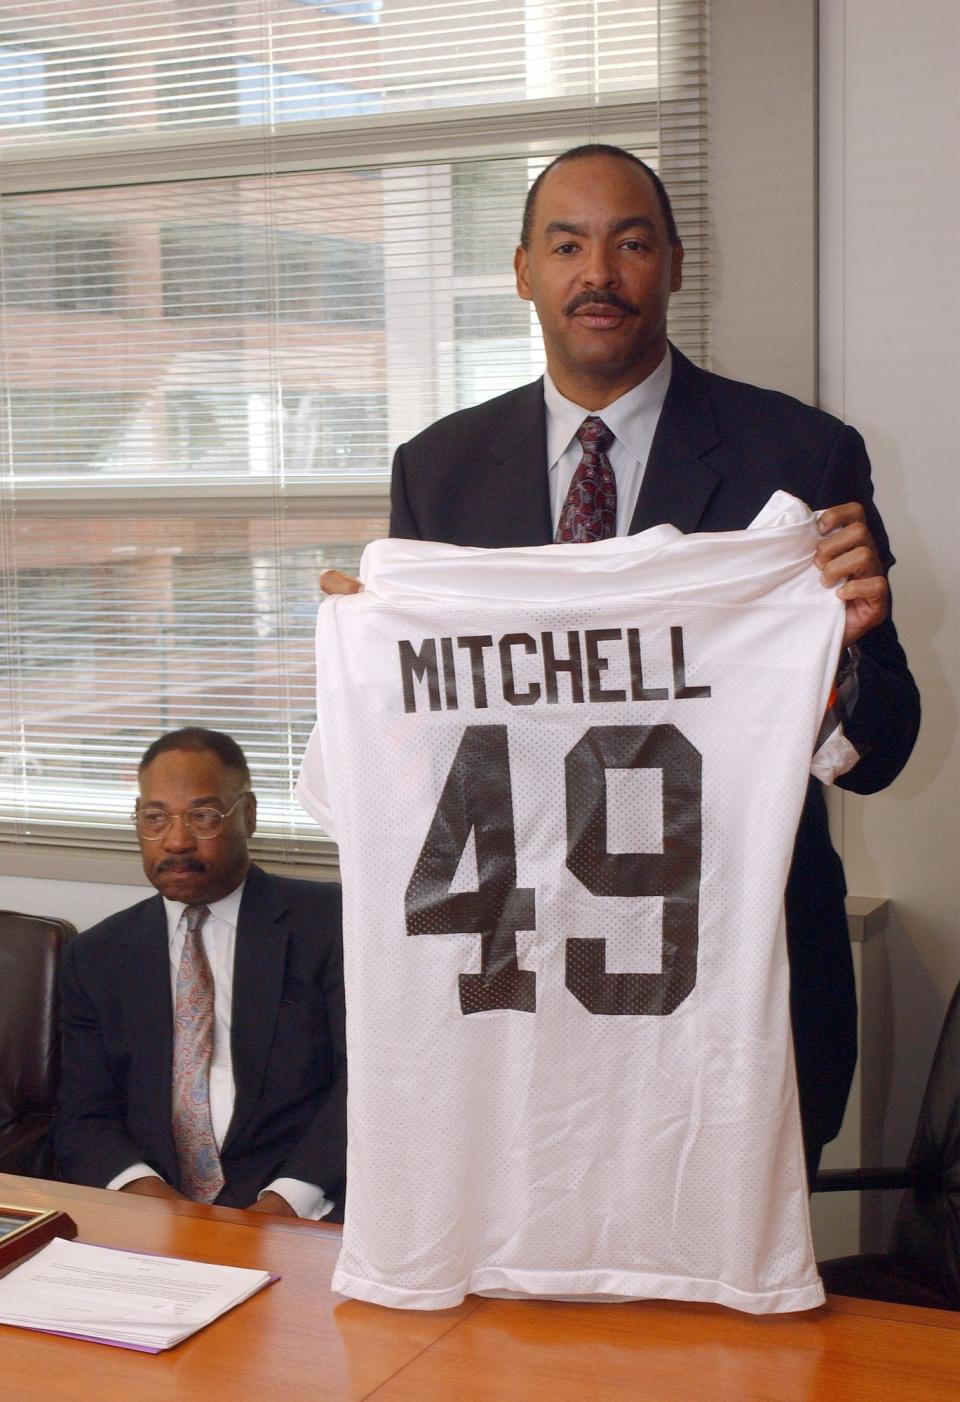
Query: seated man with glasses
point(203, 1051)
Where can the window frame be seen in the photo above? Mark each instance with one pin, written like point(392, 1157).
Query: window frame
point(535, 130)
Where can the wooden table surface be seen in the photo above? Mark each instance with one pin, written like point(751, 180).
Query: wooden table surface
point(296, 1340)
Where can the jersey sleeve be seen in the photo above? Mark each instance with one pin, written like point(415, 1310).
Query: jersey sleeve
point(311, 785)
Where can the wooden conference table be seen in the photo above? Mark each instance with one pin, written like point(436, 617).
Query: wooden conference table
point(296, 1341)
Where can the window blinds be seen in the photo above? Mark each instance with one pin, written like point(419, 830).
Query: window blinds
point(245, 249)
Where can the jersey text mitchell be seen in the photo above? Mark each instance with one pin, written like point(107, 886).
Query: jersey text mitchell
point(588, 665)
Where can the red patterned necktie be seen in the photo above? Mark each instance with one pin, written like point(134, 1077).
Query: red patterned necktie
point(590, 509)
point(201, 1176)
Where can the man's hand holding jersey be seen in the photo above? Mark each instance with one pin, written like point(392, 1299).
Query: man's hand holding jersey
point(336, 582)
point(848, 552)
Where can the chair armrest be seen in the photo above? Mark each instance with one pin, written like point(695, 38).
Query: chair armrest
point(847, 1180)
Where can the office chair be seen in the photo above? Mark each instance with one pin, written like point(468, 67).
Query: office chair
point(923, 1264)
point(30, 949)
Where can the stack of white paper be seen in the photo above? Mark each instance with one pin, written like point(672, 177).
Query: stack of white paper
point(121, 1297)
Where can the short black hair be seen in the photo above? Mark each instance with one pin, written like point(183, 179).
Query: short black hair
point(579, 153)
point(198, 738)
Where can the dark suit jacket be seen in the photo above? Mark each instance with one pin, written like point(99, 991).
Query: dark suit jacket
point(287, 1043)
point(479, 477)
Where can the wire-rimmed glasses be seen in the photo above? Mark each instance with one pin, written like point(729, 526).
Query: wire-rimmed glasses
point(203, 821)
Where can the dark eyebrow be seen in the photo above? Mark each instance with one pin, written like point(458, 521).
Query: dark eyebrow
point(619, 226)
point(559, 226)
point(633, 221)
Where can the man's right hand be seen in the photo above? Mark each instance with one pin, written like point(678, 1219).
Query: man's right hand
point(150, 1187)
point(336, 582)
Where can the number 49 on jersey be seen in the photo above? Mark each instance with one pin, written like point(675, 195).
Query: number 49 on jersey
point(477, 797)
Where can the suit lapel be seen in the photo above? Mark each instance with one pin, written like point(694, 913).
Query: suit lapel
point(258, 966)
point(518, 450)
point(148, 1005)
point(677, 484)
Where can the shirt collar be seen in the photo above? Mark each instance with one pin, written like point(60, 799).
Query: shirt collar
point(226, 909)
point(632, 418)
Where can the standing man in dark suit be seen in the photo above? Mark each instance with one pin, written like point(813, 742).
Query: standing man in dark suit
point(203, 1029)
point(599, 258)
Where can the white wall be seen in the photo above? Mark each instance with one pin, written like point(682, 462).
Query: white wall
point(763, 174)
point(82, 902)
point(890, 364)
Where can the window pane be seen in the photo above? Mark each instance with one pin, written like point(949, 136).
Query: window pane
point(486, 198)
point(272, 280)
point(224, 330)
point(127, 628)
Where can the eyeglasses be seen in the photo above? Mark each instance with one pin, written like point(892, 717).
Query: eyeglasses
point(153, 823)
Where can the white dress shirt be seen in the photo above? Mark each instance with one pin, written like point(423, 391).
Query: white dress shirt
point(632, 419)
point(219, 937)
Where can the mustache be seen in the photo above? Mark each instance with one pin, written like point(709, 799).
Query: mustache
point(181, 864)
point(599, 298)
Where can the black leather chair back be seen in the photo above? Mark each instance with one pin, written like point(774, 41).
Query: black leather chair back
point(30, 948)
point(927, 1230)
point(922, 1266)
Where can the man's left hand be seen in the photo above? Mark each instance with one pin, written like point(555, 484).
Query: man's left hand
point(848, 551)
point(274, 1204)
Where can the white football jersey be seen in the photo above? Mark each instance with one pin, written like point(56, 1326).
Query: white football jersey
point(565, 783)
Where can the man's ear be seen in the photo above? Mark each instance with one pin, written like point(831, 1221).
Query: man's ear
point(676, 266)
point(521, 268)
point(250, 813)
